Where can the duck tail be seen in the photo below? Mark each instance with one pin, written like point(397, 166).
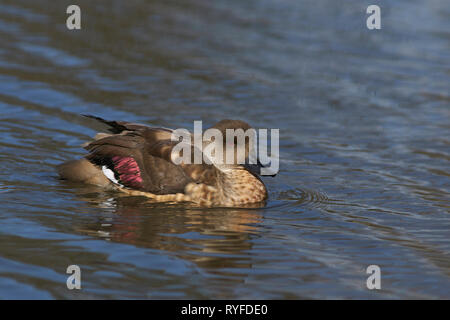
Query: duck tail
point(115, 127)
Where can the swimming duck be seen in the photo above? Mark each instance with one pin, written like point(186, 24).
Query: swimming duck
point(137, 159)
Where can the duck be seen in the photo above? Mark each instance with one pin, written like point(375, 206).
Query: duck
point(138, 159)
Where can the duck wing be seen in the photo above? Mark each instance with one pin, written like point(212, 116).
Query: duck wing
point(139, 157)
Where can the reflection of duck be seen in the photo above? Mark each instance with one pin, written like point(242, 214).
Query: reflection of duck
point(138, 160)
point(212, 238)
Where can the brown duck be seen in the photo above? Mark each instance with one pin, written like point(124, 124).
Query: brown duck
point(136, 159)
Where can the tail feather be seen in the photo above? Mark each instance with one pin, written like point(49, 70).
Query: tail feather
point(115, 127)
point(82, 171)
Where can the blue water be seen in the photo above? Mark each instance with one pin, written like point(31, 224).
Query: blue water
point(364, 123)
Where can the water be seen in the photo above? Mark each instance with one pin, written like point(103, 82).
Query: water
point(364, 133)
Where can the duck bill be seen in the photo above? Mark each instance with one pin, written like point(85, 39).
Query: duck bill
point(256, 169)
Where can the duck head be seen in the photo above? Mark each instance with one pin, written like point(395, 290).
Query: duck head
point(232, 145)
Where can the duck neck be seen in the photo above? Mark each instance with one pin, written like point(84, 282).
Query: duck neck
point(240, 186)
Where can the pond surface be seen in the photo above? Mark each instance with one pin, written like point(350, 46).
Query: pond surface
point(364, 123)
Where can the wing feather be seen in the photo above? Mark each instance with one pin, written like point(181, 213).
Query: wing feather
point(140, 157)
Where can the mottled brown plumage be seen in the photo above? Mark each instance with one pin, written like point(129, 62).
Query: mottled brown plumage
point(140, 161)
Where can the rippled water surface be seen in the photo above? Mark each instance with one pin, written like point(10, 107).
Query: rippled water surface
point(364, 123)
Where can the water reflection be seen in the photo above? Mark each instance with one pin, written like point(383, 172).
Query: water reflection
point(210, 237)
